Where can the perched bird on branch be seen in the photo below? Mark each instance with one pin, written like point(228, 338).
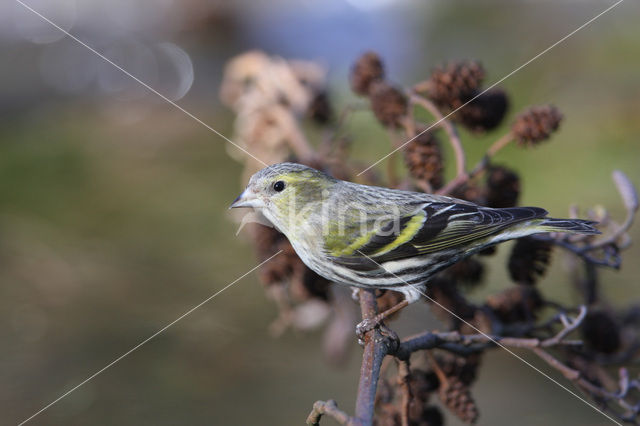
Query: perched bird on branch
point(372, 237)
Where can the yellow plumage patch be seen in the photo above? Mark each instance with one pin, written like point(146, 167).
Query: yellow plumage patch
point(351, 248)
point(409, 231)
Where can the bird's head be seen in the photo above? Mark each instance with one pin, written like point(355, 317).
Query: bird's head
point(285, 193)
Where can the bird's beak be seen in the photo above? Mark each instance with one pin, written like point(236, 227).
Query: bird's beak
point(247, 199)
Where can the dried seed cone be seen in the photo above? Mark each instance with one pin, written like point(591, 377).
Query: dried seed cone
point(266, 240)
point(529, 260)
point(423, 157)
point(280, 269)
point(423, 383)
point(367, 69)
point(482, 320)
point(287, 266)
point(463, 368)
point(601, 332)
point(431, 416)
point(388, 103)
point(320, 109)
point(453, 84)
point(313, 285)
point(425, 415)
point(485, 112)
point(536, 125)
point(387, 414)
point(468, 271)
point(503, 187)
point(456, 397)
point(443, 290)
point(516, 304)
point(470, 192)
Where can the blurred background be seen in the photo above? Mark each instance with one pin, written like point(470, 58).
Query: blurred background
point(113, 203)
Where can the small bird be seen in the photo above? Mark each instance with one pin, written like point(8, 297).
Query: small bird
point(372, 237)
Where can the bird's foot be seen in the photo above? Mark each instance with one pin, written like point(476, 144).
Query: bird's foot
point(370, 324)
point(364, 327)
point(392, 338)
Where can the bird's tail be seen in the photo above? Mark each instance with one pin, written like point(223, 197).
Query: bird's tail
point(571, 226)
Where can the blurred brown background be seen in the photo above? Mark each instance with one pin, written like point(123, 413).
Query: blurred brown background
point(113, 204)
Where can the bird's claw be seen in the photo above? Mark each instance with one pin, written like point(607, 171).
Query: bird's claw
point(364, 327)
point(369, 324)
point(392, 338)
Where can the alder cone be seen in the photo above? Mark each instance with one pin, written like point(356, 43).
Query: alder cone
point(456, 396)
point(468, 271)
point(601, 332)
point(320, 109)
point(423, 158)
point(529, 260)
point(503, 187)
point(485, 112)
point(516, 304)
point(453, 84)
point(536, 125)
point(388, 103)
point(367, 69)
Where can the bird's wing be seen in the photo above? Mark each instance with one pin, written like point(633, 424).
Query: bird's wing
point(432, 227)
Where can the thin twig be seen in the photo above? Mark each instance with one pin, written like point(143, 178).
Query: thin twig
point(431, 340)
point(503, 141)
point(611, 262)
point(567, 372)
point(444, 382)
point(611, 239)
point(346, 112)
point(404, 376)
point(392, 175)
point(375, 349)
point(448, 127)
point(568, 328)
point(329, 408)
point(480, 166)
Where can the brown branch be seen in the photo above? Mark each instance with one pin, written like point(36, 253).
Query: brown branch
point(429, 340)
point(448, 127)
point(606, 396)
point(480, 166)
point(569, 326)
point(376, 348)
point(409, 125)
point(611, 239)
point(392, 174)
point(329, 408)
point(462, 344)
point(404, 377)
point(583, 252)
point(499, 144)
point(566, 371)
point(436, 368)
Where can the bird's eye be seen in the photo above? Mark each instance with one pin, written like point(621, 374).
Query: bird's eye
point(278, 186)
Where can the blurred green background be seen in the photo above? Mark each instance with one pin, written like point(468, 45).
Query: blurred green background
point(113, 204)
